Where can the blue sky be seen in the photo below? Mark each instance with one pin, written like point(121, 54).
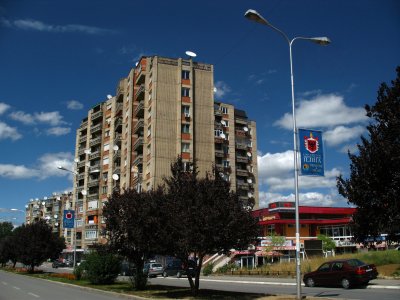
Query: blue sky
point(60, 58)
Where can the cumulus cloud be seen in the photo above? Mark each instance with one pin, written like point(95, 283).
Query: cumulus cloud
point(8, 132)
point(58, 131)
point(47, 166)
point(323, 111)
point(52, 118)
point(221, 89)
point(74, 105)
point(3, 107)
point(35, 25)
point(342, 134)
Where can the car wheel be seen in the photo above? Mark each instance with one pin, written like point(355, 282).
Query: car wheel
point(179, 274)
point(310, 282)
point(165, 274)
point(345, 283)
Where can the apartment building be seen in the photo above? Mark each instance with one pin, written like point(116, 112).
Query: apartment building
point(164, 108)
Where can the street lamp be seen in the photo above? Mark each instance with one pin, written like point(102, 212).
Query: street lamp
point(255, 16)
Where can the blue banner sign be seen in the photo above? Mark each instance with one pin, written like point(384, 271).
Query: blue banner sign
point(69, 219)
point(311, 152)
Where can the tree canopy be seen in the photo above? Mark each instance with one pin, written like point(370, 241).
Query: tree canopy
point(374, 183)
point(5, 229)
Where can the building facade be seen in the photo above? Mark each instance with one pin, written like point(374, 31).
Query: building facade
point(164, 108)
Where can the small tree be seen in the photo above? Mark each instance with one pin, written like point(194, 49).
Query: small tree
point(327, 243)
point(35, 243)
point(204, 216)
point(276, 241)
point(135, 229)
point(5, 229)
point(374, 183)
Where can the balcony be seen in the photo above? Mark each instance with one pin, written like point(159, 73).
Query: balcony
point(242, 185)
point(138, 144)
point(242, 159)
point(93, 182)
point(217, 112)
point(240, 133)
point(94, 155)
point(93, 196)
point(241, 172)
point(96, 128)
point(138, 160)
point(241, 146)
point(139, 95)
point(83, 125)
point(80, 164)
point(219, 153)
point(96, 115)
point(139, 110)
point(117, 155)
point(241, 121)
point(117, 138)
point(139, 125)
point(81, 151)
point(218, 140)
point(91, 227)
point(95, 141)
point(118, 123)
point(118, 107)
point(141, 76)
point(117, 169)
point(82, 139)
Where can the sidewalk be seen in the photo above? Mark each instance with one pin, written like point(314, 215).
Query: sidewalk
point(373, 284)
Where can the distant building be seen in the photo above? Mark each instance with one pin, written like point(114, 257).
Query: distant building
point(164, 108)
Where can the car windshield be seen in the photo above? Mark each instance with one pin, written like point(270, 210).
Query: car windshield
point(157, 265)
point(355, 263)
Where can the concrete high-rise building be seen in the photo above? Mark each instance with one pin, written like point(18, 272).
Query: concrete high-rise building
point(164, 108)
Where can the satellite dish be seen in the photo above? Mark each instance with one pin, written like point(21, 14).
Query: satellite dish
point(45, 198)
point(55, 224)
point(87, 151)
point(43, 203)
point(249, 180)
point(191, 54)
point(245, 129)
point(95, 171)
point(109, 97)
point(115, 177)
point(222, 135)
point(221, 174)
point(58, 198)
point(215, 89)
point(84, 192)
point(249, 154)
point(223, 122)
point(249, 195)
point(55, 216)
point(116, 148)
point(136, 64)
point(26, 206)
point(30, 200)
point(76, 160)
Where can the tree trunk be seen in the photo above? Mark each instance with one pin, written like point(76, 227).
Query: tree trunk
point(198, 270)
point(32, 268)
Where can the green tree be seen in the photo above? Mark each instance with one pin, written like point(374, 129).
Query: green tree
point(374, 183)
point(35, 243)
point(5, 229)
point(327, 243)
point(134, 227)
point(203, 216)
point(276, 241)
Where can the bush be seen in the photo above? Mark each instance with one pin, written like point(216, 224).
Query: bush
point(101, 267)
point(227, 268)
point(208, 269)
point(79, 271)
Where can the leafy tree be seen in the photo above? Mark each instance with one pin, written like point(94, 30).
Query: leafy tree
point(374, 183)
point(5, 229)
point(276, 242)
point(203, 216)
point(35, 243)
point(133, 222)
point(7, 250)
point(101, 266)
point(327, 243)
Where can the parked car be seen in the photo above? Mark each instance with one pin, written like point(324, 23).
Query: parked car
point(153, 269)
point(344, 272)
point(178, 269)
point(58, 264)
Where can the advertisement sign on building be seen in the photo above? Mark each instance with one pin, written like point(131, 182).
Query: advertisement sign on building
point(69, 218)
point(311, 152)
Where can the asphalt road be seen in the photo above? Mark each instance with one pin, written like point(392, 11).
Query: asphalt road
point(18, 287)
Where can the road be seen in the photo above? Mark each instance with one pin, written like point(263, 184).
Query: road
point(18, 287)
point(288, 287)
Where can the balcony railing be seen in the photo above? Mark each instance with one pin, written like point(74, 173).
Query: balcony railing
point(95, 141)
point(241, 172)
point(139, 125)
point(138, 143)
point(95, 128)
point(139, 95)
point(94, 155)
point(96, 115)
point(138, 112)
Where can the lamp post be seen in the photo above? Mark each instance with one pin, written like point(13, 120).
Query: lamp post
point(255, 16)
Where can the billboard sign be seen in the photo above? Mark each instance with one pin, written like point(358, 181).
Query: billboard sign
point(311, 152)
point(69, 218)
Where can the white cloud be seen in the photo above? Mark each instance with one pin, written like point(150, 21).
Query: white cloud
point(57, 131)
point(52, 118)
point(221, 89)
point(342, 134)
point(46, 167)
point(74, 105)
point(352, 148)
point(3, 107)
point(323, 111)
point(29, 24)
point(7, 132)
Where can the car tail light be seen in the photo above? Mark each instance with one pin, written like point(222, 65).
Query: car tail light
point(360, 271)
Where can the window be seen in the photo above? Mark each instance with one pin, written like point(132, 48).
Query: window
point(106, 147)
point(226, 163)
point(104, 190)
point(91, 234)
point(185, 92)
point(226, 123)
point(92, 204)
point(186, 110)
point(105, 161)
point(185, 128)
point(148, 148)
point(217, 132)
point(107, 133)
point(149, 130)
point(79, 221)
point(185, 147)
point(224, 109)
point(185, 74)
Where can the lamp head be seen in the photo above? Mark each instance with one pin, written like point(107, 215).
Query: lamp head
point(60, 167)
point(253, 15)
point(323, 41)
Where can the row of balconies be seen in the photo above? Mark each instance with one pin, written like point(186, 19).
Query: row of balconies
point(96, 128)
point(96, 115)
point(95, 141)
